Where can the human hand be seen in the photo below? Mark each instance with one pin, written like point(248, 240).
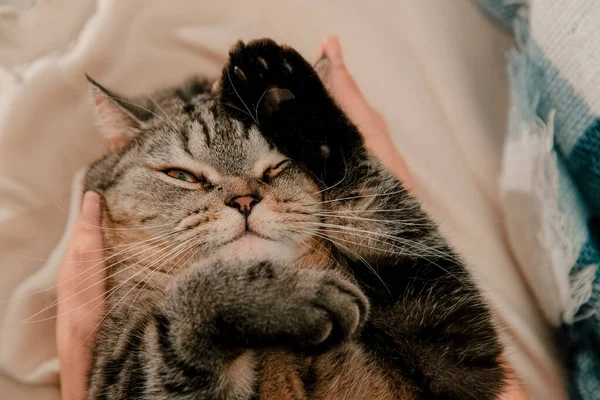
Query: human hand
point(80, 291)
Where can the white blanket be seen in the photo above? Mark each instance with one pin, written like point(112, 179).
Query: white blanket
point(434, 69)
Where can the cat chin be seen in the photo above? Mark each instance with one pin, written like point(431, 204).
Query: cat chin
point(255, 248)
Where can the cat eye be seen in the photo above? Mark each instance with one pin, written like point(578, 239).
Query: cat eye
point(184, 176)
point(272, 172)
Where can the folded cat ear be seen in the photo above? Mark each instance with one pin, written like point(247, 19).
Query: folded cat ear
point(118, 118)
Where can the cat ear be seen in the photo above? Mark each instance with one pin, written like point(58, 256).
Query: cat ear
point(119, 119)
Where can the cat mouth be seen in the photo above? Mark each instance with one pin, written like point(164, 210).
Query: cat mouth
point(250, 232)
point(247, 234)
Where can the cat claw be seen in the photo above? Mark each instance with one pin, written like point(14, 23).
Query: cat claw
point(240, 74)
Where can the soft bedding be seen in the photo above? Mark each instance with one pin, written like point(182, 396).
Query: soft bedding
point(434, 69)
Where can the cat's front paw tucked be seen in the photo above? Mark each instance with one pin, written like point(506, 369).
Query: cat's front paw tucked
point(266, 305)
point(329, 309)
point(298, 308)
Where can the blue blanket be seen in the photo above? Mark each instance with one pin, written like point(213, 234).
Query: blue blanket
point(552, 161)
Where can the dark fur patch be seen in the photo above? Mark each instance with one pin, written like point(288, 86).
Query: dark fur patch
point(189, 108)
point(136, 388)
point(205, 131)
point(113, 371)
point(148, 218)
point(262, 269)
point(174, 368)
point(185, 136)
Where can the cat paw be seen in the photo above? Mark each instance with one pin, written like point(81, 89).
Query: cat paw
point(256, 305)
point(298, 308)
point(275, 305)
point(262, 75)
point(328, 309)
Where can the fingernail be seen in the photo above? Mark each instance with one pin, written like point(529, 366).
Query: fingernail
point(322, 67)
point(335, 53)
point(318, 54)
point(90, 209)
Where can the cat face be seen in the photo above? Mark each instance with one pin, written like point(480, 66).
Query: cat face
point(186, 171)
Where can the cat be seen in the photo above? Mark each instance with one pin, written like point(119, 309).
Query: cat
point(258, 250)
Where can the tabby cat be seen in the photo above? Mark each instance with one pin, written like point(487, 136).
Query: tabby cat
point(259, 251)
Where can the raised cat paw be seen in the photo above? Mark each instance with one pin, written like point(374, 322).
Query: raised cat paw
point(275, 88)
point(262, 75)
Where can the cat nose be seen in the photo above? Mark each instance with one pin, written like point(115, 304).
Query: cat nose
point(244, 203)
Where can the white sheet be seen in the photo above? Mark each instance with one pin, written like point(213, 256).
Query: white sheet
point(435, 69)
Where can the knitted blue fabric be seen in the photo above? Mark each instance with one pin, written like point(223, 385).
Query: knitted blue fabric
point(545, 90)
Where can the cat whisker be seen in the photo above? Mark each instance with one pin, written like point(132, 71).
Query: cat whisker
point(329, 187)
point(131, 229)
point(153, 273)
point(408, 243)
point(81, 252)
point(170, 252)
point(160, 243)
point(103, 227)
point(362, 232)
point(403, 252)
point(56, 303)
point(171, 122)
point(112, 229)
point(409, 221)
point(368, 210)
point(303, 242)
point(193, 254)
point(259, 100)
point(193, 251)
point(120, 99)
point(129, 245)
point(352, 252)
point(399, 222)
point(239, 97)
point(336, 240)
point(328, 251)
point(237, 108)
point(311, 249)
point(365, 262)
point(360, 197)
point(100, 261)
point(152, 246)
